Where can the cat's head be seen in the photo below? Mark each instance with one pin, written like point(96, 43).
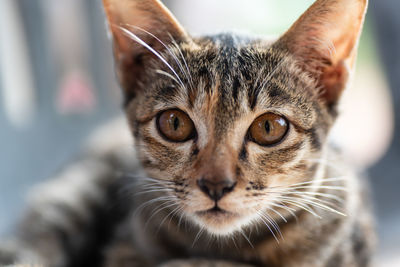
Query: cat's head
point(227, 126)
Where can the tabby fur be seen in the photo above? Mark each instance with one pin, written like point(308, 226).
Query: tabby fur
point(295, 203)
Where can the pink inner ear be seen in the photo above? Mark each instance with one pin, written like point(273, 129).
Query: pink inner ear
point(324, 40)
point(333, 81)
point(148, 21)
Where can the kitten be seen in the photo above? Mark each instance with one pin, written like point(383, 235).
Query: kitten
point(232, 136)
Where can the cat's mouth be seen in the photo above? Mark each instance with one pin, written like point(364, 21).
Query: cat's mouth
point(218, 221)
point(213, 211)
point(217, 215)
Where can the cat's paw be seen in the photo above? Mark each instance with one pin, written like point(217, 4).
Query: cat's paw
point(201, 263)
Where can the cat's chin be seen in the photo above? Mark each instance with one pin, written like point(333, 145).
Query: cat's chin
point(220, 222)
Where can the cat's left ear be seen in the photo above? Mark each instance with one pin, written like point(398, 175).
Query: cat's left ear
point(139, 28)
point(324, 40)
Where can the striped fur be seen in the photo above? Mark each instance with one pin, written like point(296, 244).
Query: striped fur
point(293, 204)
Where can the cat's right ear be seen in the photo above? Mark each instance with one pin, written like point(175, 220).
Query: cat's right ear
point(324, 40)
point(139, 28)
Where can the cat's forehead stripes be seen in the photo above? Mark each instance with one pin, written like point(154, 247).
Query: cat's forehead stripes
point(232, 81)
point(263, 80)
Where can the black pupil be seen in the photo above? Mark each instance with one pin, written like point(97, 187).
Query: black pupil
point(267, 127)
point(176, 123)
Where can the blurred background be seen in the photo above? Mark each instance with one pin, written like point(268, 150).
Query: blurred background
point(57, 85)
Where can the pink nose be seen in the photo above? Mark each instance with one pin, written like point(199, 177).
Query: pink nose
point(216, 189)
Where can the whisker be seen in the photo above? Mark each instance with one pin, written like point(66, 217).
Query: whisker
point(340, 188)
point(150, 183)
point(184, 61)
point(333, 179)
point(278, 213)
point(152, 201)
point(245, 237)
point(330, 196)
point(273, 223)
point(147, 180)
point(166, 217)
point(180, 219)
point(197, 237)
point(153, 186)
point(159, 209)
point(302, 206)
point(134, 37)
point(153, 190)
point(311, 198)
point(311, 181)
point(266, 224)
point(288, 209)
point(234, 242)
point(165, 46)
point(168, 75)
point(315, 204)
point(174, 214)
point(324, 205)
point(140, 179)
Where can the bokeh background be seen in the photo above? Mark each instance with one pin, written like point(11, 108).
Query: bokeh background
point(57, 85)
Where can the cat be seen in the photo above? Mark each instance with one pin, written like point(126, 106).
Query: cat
point(232, 137)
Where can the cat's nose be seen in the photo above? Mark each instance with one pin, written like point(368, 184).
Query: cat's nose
point(216, 189)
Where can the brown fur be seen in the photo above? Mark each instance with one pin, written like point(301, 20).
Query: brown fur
point(223, 83)
point(296, 76)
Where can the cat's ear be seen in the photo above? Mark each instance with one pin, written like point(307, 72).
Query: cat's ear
point(324, 40)
point(139, 28)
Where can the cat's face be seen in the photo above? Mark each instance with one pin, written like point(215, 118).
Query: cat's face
point(245, 125)
point(229, 126)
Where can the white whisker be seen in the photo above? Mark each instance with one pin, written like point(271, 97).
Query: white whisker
point(159, 209)
point(327, 202)
point(234, 242)
point(184, 61)
point(134, 37)
point(167, 75)
point(174, 214)
point(197, 237)
point(315, 204)
point(340, 188)
point(142, 179)
point(302, 206)
point(245, 237)
point(152, 201)
point(273, 223)
point(266, 224)
point(165, 46)
point(333, 179)
point(331, 196)
point(283, 206)
point(166, 217)
point(278, 213)
point(181, 218)
point(153, 191)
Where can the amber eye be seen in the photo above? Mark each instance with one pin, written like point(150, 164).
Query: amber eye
point(175, 125)
point(268, 129)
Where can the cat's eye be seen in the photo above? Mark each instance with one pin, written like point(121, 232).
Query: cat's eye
point(175, 125)
point(268, 129)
